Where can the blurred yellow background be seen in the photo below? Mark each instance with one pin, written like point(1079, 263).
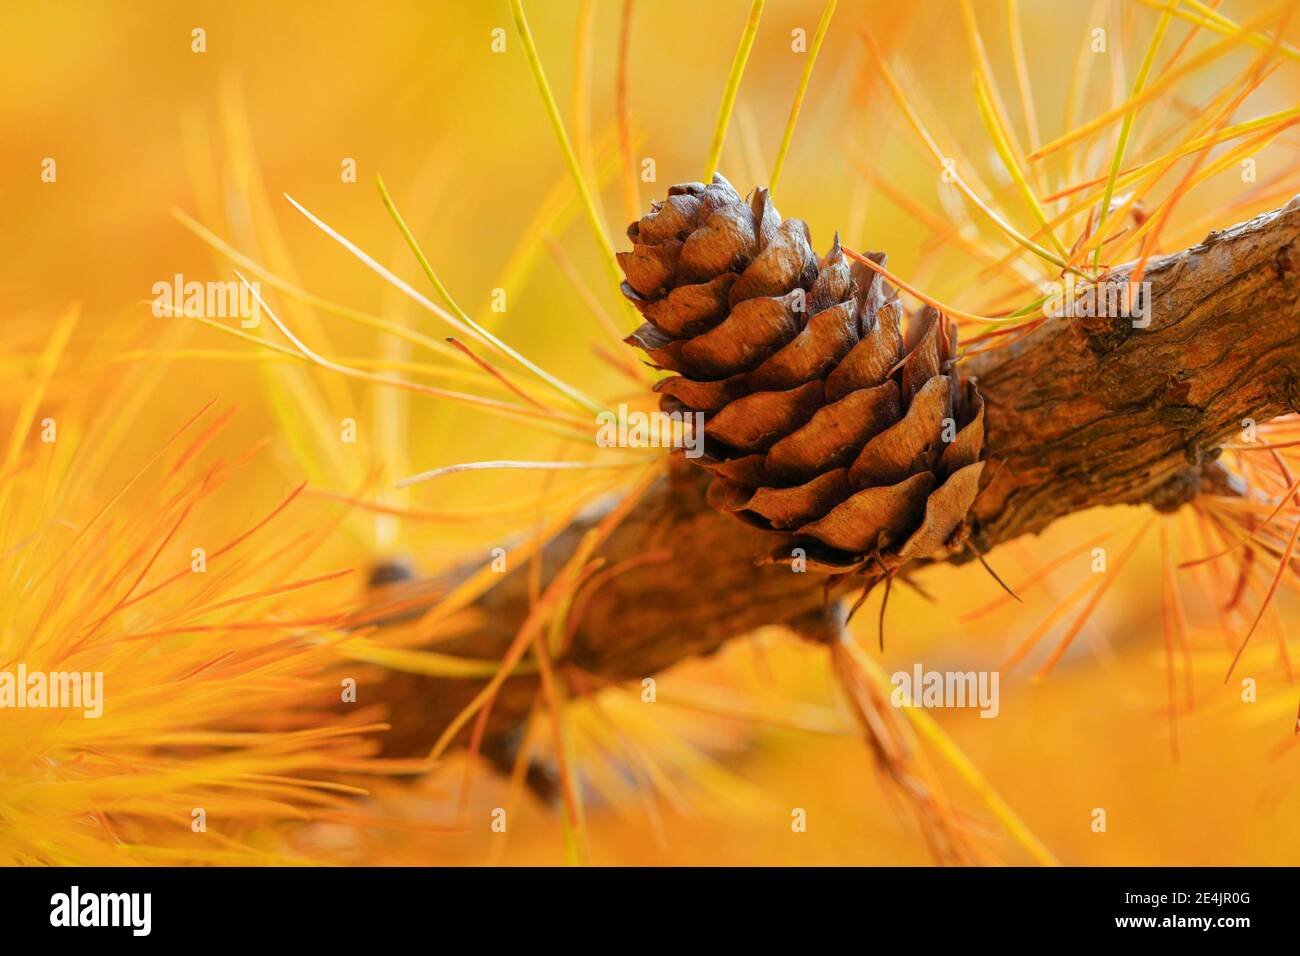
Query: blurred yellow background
point(284, 94)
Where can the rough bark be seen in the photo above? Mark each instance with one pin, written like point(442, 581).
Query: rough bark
point(1097, 412)
point(1079, 413)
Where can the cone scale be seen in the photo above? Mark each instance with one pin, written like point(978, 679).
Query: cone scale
point(828, 420)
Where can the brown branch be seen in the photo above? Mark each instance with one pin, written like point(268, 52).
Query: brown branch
point(1096, 412)
point(1082, 412)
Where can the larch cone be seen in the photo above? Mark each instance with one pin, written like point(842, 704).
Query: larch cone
point(826, 422)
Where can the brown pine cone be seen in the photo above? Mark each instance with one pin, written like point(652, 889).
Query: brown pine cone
point(825, 422)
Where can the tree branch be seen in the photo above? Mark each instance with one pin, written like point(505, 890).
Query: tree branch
point(1079, 413)
point(1096, 412)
